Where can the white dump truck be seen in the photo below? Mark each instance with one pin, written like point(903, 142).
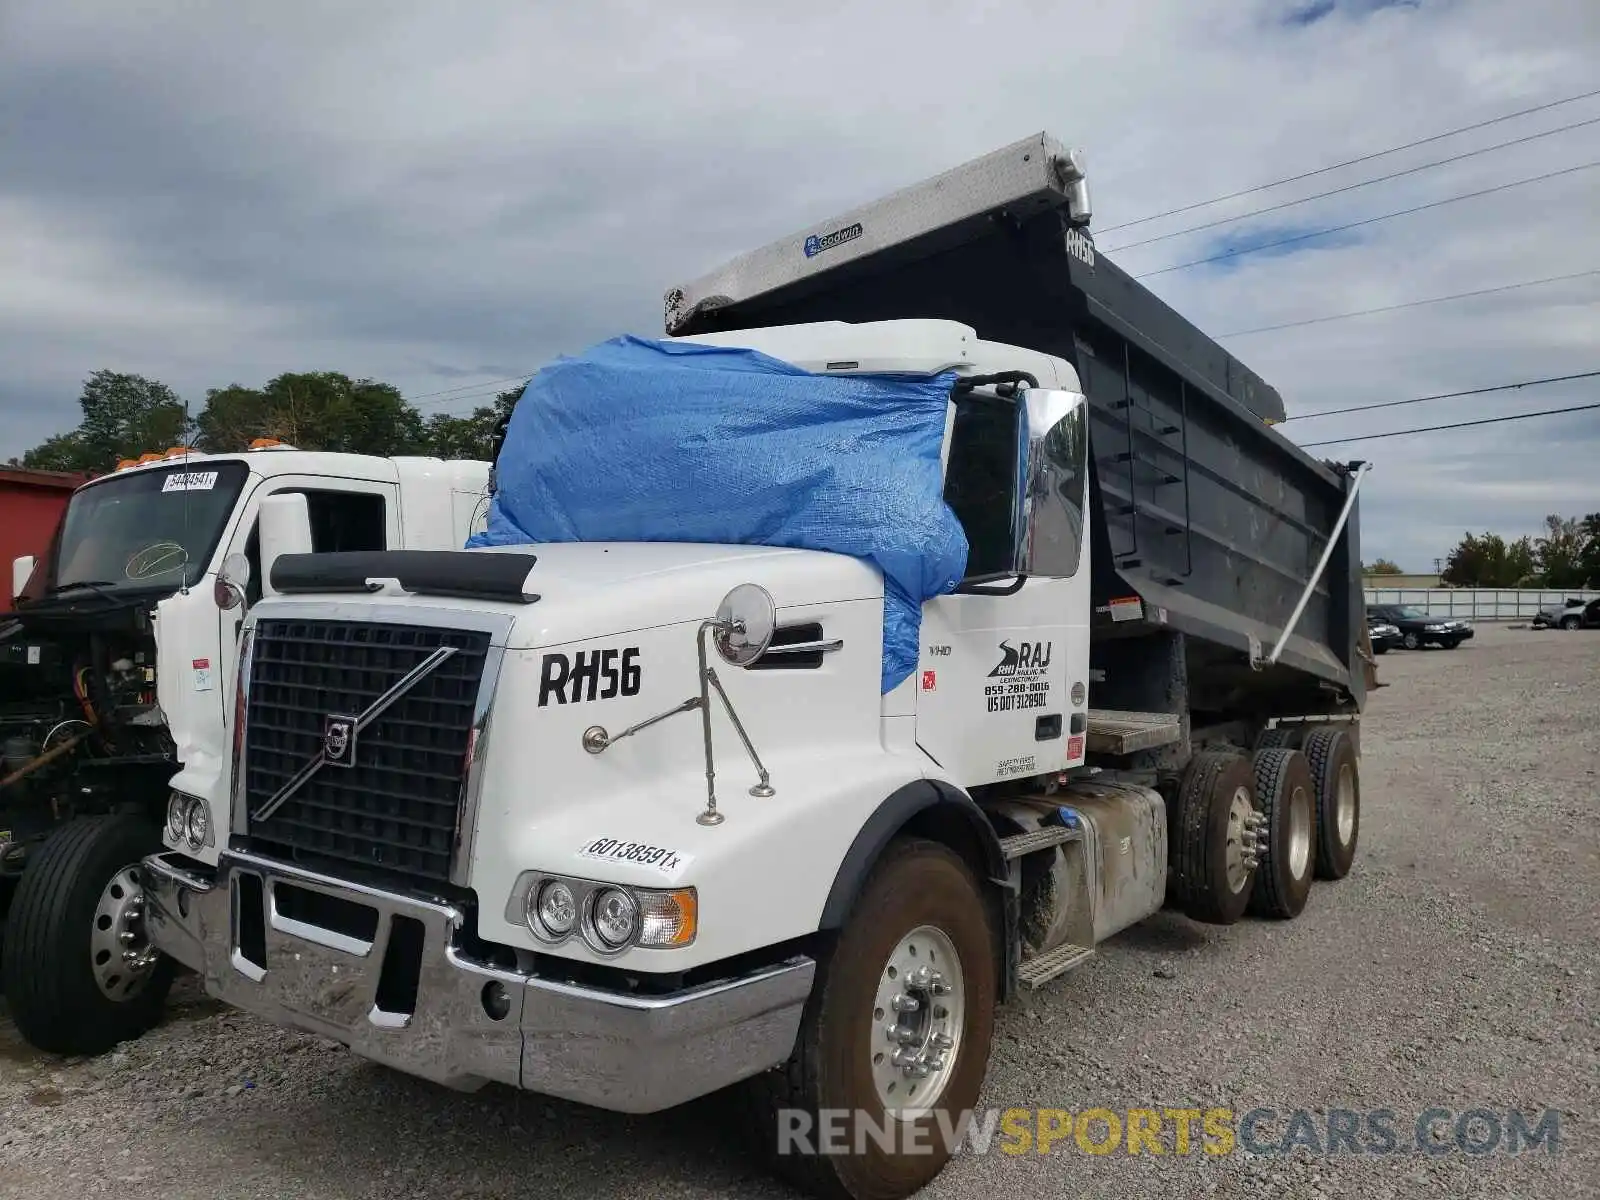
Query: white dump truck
point(931, 605)
point(121, 664)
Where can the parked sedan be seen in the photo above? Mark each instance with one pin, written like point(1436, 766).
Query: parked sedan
point(1418, 629)
point(1382, 635)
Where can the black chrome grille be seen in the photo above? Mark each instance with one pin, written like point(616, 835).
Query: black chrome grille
point(397, 808)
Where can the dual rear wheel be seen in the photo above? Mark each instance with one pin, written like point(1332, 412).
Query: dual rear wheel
point(1251, 833)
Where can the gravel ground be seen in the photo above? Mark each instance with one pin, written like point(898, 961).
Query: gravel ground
point(1455, 968)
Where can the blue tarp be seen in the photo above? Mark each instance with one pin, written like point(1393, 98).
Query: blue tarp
point(644, 440)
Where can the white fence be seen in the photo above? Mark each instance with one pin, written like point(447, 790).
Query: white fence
point(1476, 604)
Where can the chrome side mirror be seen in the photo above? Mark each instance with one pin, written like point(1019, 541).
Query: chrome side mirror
point(232, 581)
point(746, 620)
point(21, 572)
point(1052, 493)
point(742, 631)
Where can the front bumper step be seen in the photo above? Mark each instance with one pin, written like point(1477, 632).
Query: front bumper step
point(381, 973)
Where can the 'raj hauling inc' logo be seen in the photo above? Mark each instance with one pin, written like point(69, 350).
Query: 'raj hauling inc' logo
point(817, 243)
point(1023, 660)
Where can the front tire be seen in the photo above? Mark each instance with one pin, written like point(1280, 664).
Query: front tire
point(1411, 641)
point(79, 975)
point(897, 1030)
point(1335, 769)
point(1570, 622)
point(1287, 796)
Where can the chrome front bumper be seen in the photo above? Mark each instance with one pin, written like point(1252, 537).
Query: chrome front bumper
point(379, 972)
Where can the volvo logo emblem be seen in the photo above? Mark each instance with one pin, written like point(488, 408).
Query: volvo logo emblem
point(339, 741)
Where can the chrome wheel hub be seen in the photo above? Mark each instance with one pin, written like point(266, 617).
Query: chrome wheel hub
point(119, 950)
point(917, 1018)
point(1243, 851)
point(1300, 818)
point(1345, 805)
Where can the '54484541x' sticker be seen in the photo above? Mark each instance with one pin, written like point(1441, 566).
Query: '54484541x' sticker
point(643, 854)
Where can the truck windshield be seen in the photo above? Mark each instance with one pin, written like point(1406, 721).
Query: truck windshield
point(146, 529)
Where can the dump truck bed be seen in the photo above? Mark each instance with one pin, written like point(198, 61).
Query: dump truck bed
point(1209, 516)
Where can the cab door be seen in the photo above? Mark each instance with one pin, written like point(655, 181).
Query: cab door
point(1004, 662)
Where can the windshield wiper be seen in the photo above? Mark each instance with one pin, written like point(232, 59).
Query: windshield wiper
point(98, 585)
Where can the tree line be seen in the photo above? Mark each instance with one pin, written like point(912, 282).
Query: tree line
point(125, 415)
point(1565, 556)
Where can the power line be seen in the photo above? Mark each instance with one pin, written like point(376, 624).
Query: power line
point(466, 387)
point(1483, 391)
point(1367, 437)
point(1349, 162)
point(1350, 187)
point(1404, 212)
point(1367, 312)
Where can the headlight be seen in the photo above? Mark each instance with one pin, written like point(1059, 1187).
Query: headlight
point(1433, 628)
point(610, 917)
point(199, 824)
point(613, 919)
point(552, 909)
point(177, 815)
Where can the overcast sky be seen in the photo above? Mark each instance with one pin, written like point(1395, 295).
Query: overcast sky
point(446, 196)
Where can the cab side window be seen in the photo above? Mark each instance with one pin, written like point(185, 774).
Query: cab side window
point(980, 480)
point(339, 521)
point(346, 521)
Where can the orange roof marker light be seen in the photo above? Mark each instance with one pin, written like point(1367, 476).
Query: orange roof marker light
point(180, 452)
point(151, 457)
point(124, 463)
point(265, 443)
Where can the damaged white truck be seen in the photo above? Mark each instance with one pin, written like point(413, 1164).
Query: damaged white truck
point(930, 605)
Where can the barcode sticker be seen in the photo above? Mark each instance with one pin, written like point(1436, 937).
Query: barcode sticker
point(190, 481)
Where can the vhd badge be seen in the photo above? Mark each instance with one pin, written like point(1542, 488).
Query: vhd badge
point(1025, 669)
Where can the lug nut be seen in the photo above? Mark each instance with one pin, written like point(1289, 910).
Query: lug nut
point(904, 1003)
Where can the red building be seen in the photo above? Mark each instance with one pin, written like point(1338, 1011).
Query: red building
point(30, 508)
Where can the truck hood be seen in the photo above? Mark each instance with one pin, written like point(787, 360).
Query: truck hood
point(593, 589)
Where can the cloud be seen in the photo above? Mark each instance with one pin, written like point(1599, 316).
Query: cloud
point(215, 195)
point(1309, 12)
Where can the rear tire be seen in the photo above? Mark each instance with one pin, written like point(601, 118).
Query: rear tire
point(923, 906)
point(1336, 772)
point(1288, 800)
point(69, 986)
point(1217, 796)
point(1285, 736)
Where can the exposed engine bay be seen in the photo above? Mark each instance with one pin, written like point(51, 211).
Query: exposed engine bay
point(81, 731)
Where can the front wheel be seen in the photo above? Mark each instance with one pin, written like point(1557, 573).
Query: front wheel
point(80, 974)
point(1570, 622)
point(894, 1043)
point(1411, 641)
